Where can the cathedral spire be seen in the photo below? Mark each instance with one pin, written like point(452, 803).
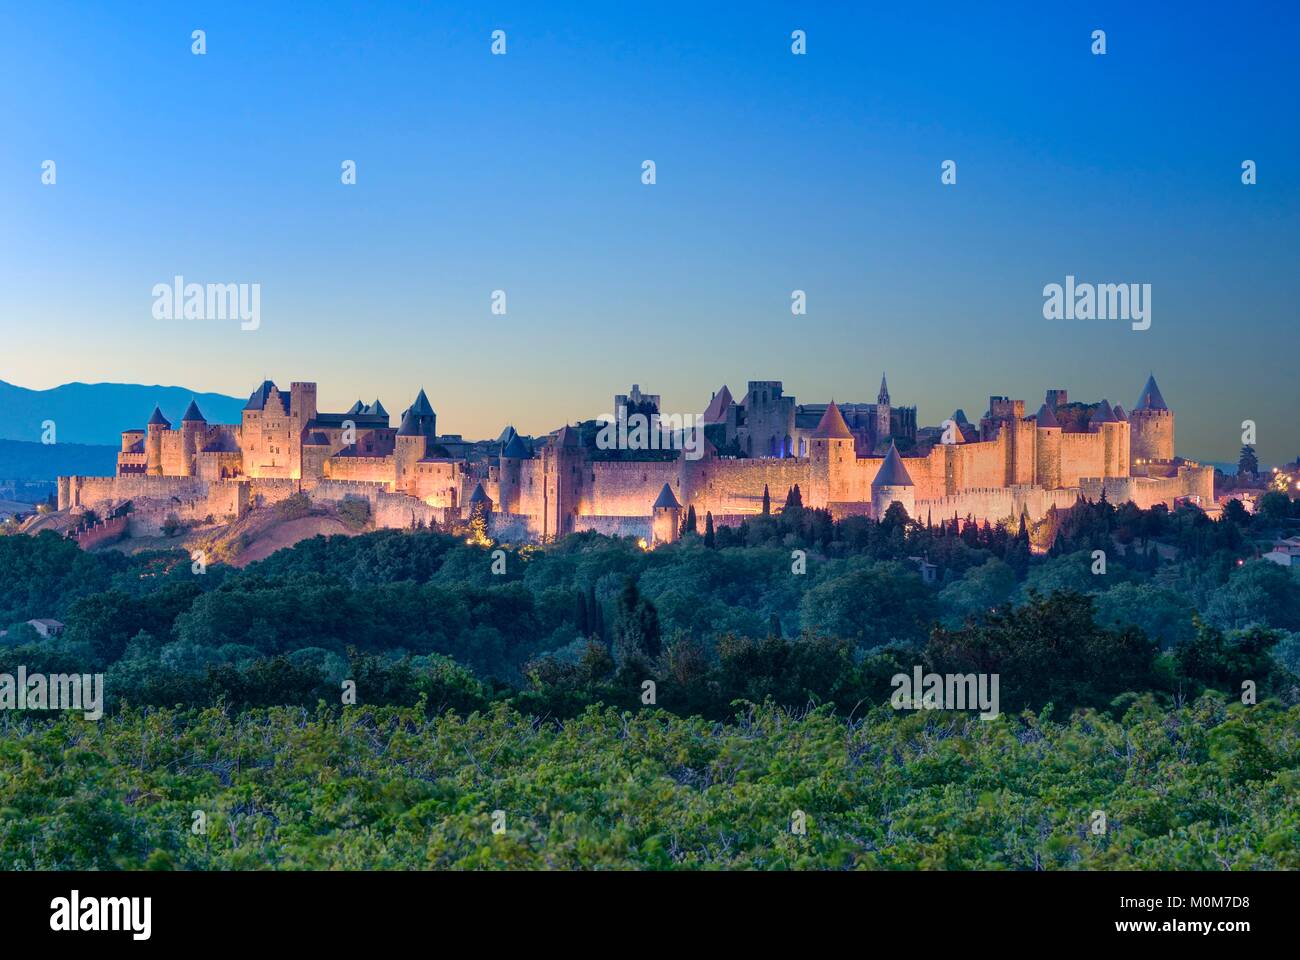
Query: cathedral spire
point(884, 391)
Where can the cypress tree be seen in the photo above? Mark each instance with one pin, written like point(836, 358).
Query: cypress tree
point(595, 615)
point(709, 540)
point(638, 623)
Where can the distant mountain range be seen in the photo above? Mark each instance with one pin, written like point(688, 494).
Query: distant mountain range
point(97, 413)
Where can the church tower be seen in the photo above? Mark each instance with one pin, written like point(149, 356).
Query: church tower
point(883, 427)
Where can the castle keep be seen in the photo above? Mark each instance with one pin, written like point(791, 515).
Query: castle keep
point(850, 459)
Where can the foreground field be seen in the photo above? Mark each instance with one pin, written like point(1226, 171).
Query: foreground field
point(1208, 786)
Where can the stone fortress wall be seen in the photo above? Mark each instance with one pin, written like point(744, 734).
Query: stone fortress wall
point(1006, 465)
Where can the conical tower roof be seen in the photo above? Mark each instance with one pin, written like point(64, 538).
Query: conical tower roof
point(1103, 413)
point(892, 472)
point(157, 419)
point(832, 425)
point(1119, 413)
point(479, 495)
point(410, 426)
point(377, 409)
point(516, 448)
point(193, 414)
point(1046, 418)
point(421, 407)
point(1151, 399)
point(666, 499)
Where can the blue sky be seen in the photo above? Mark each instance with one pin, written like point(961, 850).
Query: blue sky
point(775, 172)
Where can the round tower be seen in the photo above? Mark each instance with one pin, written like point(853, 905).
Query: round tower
point(1116, 440)
point(666, 518)
point(1151, 427)
point(831, 457)
point(1047, 448)
point(155, 428)
point(892, 485)
point(410, 450)
point(509, 482)
point(480, 504)
point(193, 428)
point(426, 420)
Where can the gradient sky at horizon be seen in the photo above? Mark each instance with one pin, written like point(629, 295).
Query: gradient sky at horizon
point(775, 173)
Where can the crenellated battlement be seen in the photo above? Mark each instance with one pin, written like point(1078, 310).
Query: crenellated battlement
point(1013, 464)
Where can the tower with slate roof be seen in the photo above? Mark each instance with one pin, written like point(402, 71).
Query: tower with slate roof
point(1047, 447)
point(426, 420)
point(665, 518)
point(268, 437)
point(1151, 425)
point(892, 484)
point(509, 481)
point(194, 427)
point(155, 429)
point(412, 446)
point(480, 504)
point(1115, 439)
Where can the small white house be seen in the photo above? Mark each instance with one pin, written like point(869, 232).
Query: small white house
point(46, 627)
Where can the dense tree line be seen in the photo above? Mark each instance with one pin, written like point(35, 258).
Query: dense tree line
point(792, 607)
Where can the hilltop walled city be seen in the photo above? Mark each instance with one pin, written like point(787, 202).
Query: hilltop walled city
point(850, 458)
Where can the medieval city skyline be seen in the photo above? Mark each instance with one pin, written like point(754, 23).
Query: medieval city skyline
point(848, 458)
point(474, 424)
